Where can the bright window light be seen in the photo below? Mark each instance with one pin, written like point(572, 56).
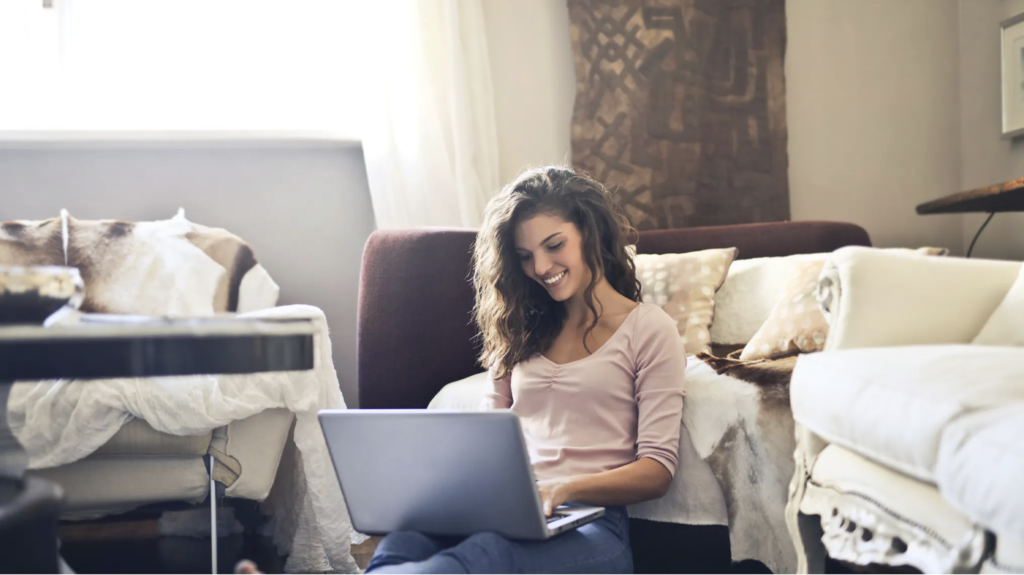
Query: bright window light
point(194, 65)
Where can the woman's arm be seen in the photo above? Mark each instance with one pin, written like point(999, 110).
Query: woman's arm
point(499, 394)
point(641, 480)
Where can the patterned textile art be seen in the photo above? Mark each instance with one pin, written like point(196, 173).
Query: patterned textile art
point(680, 108)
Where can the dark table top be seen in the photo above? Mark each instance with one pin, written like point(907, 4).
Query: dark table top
point(1005, 197)
point(102, 346)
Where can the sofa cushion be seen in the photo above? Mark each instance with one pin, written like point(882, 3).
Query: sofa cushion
point(749, 294)
point(684, 285)
point(1006, 325)
point(795, 324)
point(892, 404)
point(463, 395)
point(981, 465)
point(138, 438)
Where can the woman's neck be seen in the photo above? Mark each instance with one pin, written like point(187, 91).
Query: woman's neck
point(577, 312)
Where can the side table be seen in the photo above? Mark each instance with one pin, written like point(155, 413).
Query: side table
point(1005, 197)
point(101, 347)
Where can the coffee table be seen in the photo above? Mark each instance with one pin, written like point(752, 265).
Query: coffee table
point(102, 346)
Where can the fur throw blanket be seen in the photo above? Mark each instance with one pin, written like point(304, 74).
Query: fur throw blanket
point(171, 267)
point(738, 418)
point(753, 459)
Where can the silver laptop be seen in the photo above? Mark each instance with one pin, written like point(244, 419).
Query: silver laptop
point(440, 473)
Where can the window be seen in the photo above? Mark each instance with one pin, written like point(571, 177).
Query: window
point(197, 65)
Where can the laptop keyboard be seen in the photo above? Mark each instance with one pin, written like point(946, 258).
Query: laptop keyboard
point(556, 517)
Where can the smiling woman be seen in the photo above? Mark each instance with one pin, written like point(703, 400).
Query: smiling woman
point(594, 376)
point(550, 220)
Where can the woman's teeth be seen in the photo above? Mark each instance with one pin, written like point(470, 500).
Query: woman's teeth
point(556, 278)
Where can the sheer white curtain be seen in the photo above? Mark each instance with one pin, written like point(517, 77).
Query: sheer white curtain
point(172, 65)
point(429, 135)
point(409, 78)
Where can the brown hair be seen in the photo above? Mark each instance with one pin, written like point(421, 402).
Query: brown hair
point(516, 316)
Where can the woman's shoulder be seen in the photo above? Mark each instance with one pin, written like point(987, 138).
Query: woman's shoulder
point(652, 322)
point(653, 317)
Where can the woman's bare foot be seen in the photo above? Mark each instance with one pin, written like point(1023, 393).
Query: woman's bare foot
point(246, 566)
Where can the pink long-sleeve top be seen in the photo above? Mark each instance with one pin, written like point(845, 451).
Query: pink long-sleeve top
point(621, 403)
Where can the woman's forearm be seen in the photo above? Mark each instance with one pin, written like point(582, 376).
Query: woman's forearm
point(642, 480)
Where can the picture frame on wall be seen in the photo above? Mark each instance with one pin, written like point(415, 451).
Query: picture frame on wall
point(1012, 34)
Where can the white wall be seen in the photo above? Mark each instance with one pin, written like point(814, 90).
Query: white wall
point(306, 211)
point(534, 82)
point(986, 158)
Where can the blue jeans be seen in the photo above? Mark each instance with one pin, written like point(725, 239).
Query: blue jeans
point(601, 546)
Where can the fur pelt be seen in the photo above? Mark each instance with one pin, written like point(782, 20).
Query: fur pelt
point(134, 267)
point(749, 449)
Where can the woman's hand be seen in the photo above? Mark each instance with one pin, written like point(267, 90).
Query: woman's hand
point(554, 492)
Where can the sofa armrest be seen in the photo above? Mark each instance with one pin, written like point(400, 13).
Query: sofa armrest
point(877, 298)
point(415, 330)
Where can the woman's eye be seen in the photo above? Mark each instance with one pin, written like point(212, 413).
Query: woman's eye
point(524, 257)
point(556, 247)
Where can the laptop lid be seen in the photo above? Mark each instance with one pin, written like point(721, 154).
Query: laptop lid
point(436, 472)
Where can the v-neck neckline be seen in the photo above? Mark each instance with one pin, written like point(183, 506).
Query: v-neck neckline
point(598, 350)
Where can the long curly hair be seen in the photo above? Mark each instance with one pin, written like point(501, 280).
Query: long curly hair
point(516, 316)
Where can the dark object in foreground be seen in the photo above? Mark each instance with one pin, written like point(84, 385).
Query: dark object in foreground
point(30, 295)
point(111, 346)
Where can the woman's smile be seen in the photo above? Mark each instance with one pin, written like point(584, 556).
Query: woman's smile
point(555, 280)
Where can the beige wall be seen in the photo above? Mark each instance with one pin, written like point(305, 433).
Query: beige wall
point(872, 90)
point(986, 158)
point(872, 95)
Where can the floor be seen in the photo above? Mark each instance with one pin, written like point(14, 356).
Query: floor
point(134, 546)
point(169, 555)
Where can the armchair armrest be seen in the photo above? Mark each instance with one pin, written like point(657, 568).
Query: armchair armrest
point(876, 298)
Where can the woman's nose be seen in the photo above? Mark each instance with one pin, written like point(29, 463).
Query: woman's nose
point(541, 265)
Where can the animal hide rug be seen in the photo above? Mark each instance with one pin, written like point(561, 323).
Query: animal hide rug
point(738, 418)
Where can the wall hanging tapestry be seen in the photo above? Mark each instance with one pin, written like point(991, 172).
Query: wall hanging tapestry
point(680, 108)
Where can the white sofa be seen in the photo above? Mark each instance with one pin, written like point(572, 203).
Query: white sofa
point(908, 437)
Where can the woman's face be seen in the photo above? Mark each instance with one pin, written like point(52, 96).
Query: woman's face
point(550, 250)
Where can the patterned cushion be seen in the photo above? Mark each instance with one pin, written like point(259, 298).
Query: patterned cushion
point(796, 324)
point(684, 285)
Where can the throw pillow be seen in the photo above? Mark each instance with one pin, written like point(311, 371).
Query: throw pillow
point(796, 323)
point(684, 285)
point(749, 294)
point(1006, 325)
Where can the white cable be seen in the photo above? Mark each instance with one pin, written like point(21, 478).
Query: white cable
point(213, 521)
point(64, 233)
